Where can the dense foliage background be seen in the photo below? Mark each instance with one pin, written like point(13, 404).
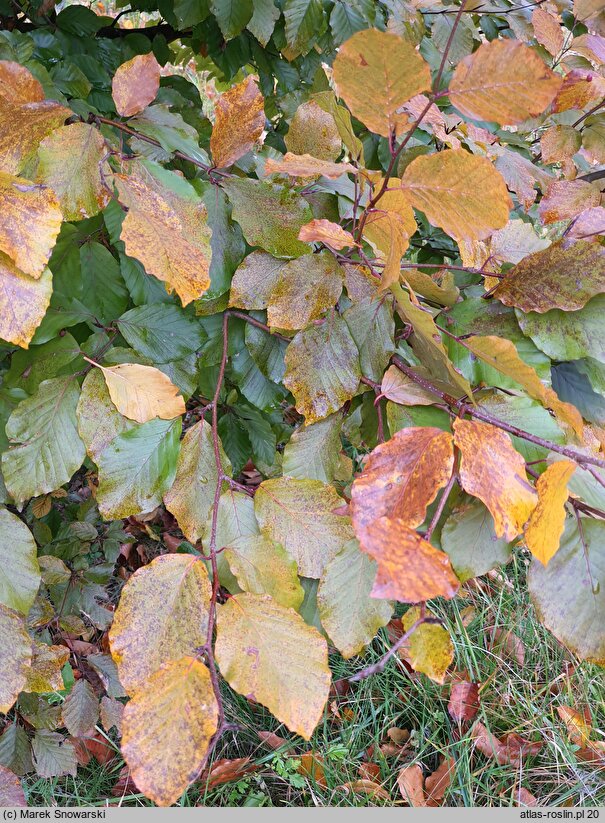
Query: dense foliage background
point(301, 328)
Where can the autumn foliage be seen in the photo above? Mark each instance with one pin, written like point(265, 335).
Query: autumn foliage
point(277, 358)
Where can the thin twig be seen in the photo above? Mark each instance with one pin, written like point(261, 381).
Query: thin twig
point(379, 666)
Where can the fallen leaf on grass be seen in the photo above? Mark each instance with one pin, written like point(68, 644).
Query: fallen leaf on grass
point(272, 740)
point(225, 771)
point(367, 787)
point(437, 783)
point(464, 701)
point(508, 750)
point(410, 781)
point(523, 797)
point(369, 771)
point(578, 724)
point(311, 766)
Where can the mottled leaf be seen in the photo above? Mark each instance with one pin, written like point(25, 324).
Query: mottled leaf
point(135, 84)
point(239, 123)
point(15, 657)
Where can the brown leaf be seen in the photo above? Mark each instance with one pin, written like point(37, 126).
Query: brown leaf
point(409, 569)
point(367, 787)
point(565, 199)
point(401, 477)
point(369, 771)
point(398, 736)
point(437, 783)
point(272, 740)
point(135, 84)
point(510, 750)
point(410, 781)
point(226, 771)
point(11, 790)
point(18, 85)
point(510, 645)
point(492, 470)
point(523, 797)
point(464, 701)
point(239, 124)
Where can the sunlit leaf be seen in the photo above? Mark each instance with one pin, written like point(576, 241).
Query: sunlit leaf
point(142, 393)
point(239, 123)
point(547, 521)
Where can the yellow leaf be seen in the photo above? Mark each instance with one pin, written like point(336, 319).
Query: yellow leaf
point(305, 165)
point(306, 288)
point(460, 193)
point(409, 569)
point(23, 302)
point(547, 522)
point(135, 84)
point(503, 81)
point(162, 616)
point(166, 230)
point(30, 220)
point(18, 85)
point(324, 231)
point(142, 392)
point(401, 477)
point(262, 566)
point(492, 470)
point(167, 729)
point(375, 72)
point(430, 649)
point(73, 163)
point(15, 657)
point(578, 724)
point(239, 124)
point(502, 355)
point(269, 654)
point(45, 672)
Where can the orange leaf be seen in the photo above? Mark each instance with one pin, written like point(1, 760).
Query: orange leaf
point(367, 787)
point(225, 771)
point(565, 199)
point(437, 783)
point(311, 765)
point(578, 724)
point(410, 782)
point(409, 569)
point(324, 231)
point(305, 165)
point(492, 470)
point(503, 81)
point(135, 84)
point(460, 193)
point(547, 522)
point(18, 85)
point(401, 477)
point(375, 73)
point(239, 124)
point(548, 30)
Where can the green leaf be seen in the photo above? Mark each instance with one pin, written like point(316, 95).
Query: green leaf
point(263, 20)
point(469, 539)
point(231, 15)
point(47, 448)
point(15, 749)
point(262, 566)
point(270, 215)
point(161, 332)
point(349, 16)
point(313, 451)
point(300, 514)
point(305, 22)
point(349, 615)
point(253, 384)
point(259, 431)
point(322, 368)
point(227, 243)
point(573, 386)
point(569, 593)
point(235, 520)
point(137, 468)
point(104, 292)
point(29, 367)
point(568, 335)
point(372, 328)
point(267, 351)
point(19, 570)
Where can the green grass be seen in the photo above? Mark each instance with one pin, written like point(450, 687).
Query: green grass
point(514, 698)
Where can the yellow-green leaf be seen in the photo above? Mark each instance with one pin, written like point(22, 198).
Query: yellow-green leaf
point(73, 163)
point(19, 570)
point(162, 616)
point(15, 657)
point(167, 729)
point(269, 654)
point(262, 566)
point(429, 649)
